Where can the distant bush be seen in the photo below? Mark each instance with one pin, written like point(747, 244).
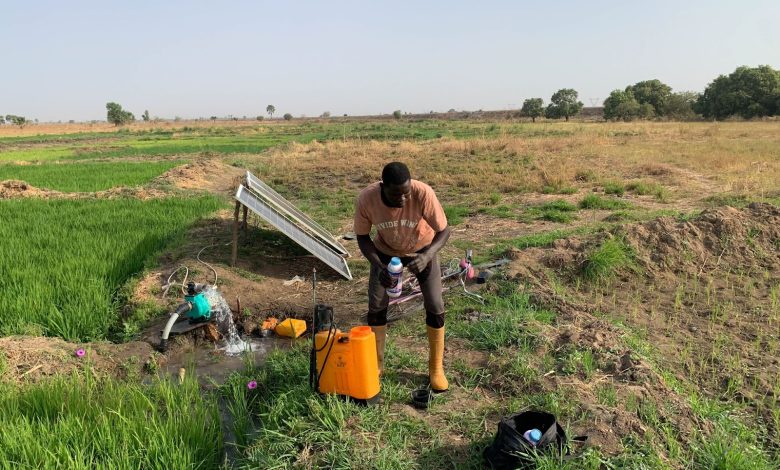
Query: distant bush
point(287, 116)
point(747, 92)
point(563, 104)
point(20, 121)
point(397, 114)
point(118, 116)
point(532, 108)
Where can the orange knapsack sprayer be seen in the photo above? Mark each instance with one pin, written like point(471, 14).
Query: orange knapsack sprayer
point(342, 363)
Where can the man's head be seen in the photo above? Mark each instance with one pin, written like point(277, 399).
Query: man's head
point(396, 184)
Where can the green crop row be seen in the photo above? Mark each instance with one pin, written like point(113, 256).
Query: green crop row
point(83, 423)
point(86, 176)
point(253, 139)
point(62, 261)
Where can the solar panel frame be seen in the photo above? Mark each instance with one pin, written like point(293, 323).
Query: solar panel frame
point(284, 206)
point(282, 223)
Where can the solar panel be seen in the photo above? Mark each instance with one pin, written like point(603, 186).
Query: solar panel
point(284, 206)
point(278, 219)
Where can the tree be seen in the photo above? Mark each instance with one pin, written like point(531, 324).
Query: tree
point(326, 114)
point(680, 105)
point(260, 118)
point(145, 115)
point(652, 92)
point(621, 105)
point(563, 104)
point(287, 116)
point(397, 114)
point(747, 92)
point(532, 108)
point(2, 120)
point(116, 115)
point(213, 118)
point(270, 109)
point(20, 121)
point(646, 111)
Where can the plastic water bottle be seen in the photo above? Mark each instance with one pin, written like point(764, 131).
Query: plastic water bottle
point(394, 269)
point(533, 436)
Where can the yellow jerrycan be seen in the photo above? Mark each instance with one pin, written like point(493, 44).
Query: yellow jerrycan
point(346, 363)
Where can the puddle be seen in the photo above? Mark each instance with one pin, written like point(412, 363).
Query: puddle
point(213, 365)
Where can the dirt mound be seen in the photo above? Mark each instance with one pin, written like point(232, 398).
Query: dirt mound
point(34, 358)
point(670, 246)
point(208, 175)
point(136, 193)
point(723, 234)
point(10, 189)
point(699, 297)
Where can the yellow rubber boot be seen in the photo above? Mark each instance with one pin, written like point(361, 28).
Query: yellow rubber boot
point(436, 360)
point(381, 333)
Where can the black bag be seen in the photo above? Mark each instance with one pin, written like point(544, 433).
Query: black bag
point(510, 450)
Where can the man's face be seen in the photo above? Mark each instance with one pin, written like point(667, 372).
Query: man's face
point(396, 195)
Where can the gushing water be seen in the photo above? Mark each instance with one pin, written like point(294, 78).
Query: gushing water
point(221, 312)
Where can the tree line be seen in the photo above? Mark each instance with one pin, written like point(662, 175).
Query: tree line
point(748, 92)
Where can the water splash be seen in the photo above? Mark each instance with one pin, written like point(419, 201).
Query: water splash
point(220, 310)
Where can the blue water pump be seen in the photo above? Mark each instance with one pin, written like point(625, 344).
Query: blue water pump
point(199, 310)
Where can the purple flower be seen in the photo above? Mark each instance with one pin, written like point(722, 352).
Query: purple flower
point(80, 352)
point(251, 385)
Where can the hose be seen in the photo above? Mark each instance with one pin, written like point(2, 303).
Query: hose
point(181, 309)
point(183, 283)
point(216, 276)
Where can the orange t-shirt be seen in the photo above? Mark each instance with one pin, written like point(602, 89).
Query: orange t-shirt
point(400, 230)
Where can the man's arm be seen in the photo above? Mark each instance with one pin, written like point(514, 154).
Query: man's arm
point(422, 259)
point(368, 249)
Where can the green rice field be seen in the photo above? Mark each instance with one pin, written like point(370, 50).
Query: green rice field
point(86, 177)
point(62, 261)
point(81, 422)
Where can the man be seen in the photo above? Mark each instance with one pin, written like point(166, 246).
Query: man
point(410, 223)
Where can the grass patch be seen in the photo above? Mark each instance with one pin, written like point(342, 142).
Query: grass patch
point(614, 187)
point(734, 200)
point(456, 214)
point(535, 240)
point(63, 261)
point(314, 431)
point(86, 423)
point(559, 190)
point(732, 446)
point(86, 176)
point(594, 201)
point(555, 211)
point(502, 211)
point(602, 262)
point(508, 319)
point(644, 188)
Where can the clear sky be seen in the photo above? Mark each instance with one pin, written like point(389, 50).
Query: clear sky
point(64, 60)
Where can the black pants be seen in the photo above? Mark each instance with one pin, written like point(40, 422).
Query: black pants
point(430, 285)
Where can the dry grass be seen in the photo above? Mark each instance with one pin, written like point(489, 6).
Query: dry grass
point(692, 159)
point(73, 128)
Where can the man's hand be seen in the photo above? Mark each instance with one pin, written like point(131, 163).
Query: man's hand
point(385, 279)
point(419, 262)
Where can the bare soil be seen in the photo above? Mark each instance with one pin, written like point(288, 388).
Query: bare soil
point(12, 189)
point(703, 292)
point(204, 175)
point(35, 358)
